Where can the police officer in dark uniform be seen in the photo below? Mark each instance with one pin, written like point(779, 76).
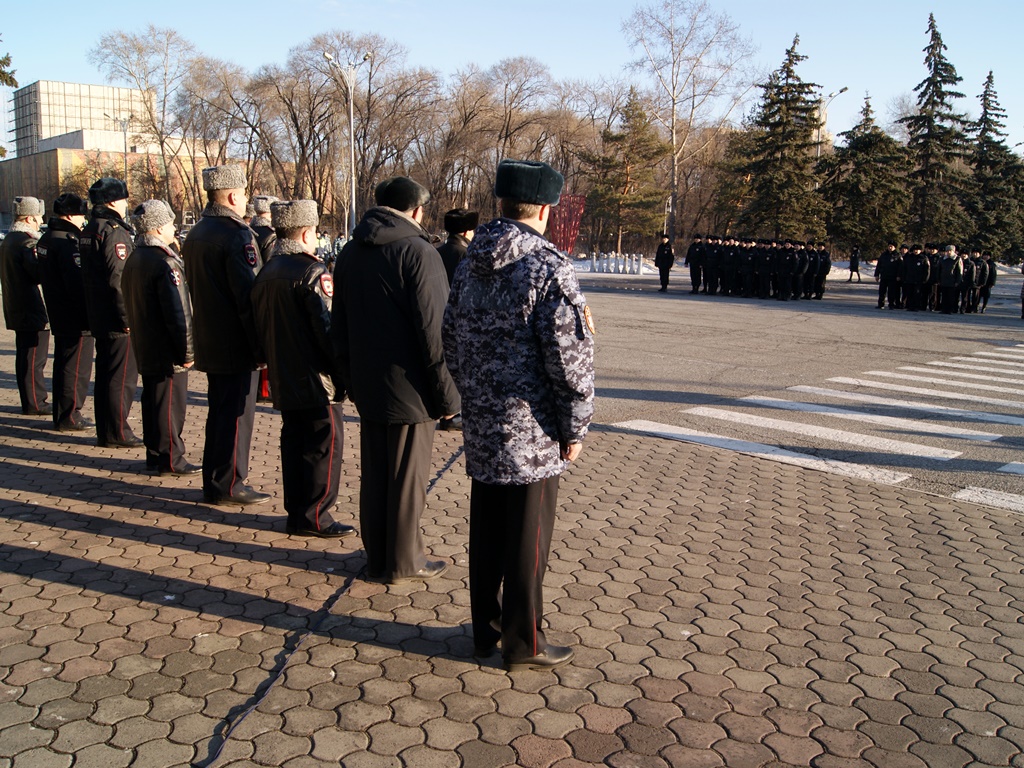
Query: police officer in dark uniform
point(262, 226)
point(985, 292)
point(459, 223)
point(292, 300)
point(887, 269)
point(664, 258)
point(105, 245)
point(222, 259)
point(694, 259)
point(24, 312)
point(60, 274)
point(156, 299)
point(916, 275)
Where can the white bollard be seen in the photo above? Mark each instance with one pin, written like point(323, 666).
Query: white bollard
point(593, 261)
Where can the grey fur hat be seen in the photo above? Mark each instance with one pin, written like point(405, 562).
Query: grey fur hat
point(529, 182)
point(401, 193)
point(28, 206)
point(294, 214)
point(151, 215)
point(231, 176)
point(262, 203)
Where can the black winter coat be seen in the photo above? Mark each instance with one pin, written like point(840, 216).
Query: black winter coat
point(265, 237)
point(222, 260)
point(105, 244)
point(292, 299)
point(951, 272)
point(19, 282)
point(60, 274)
point(452, 252)
point(664, 256)
point(158, 305)
point(390, 295)
point(916, 269)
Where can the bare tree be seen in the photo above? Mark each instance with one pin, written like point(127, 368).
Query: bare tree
point(700, 67)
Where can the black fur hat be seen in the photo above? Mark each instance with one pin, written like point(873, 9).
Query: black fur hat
point(70, 204)
point(107, 190)
point(528, 182)
point(401, 193)
point(460, 220)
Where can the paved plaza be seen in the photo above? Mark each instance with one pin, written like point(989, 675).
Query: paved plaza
point(726, 610)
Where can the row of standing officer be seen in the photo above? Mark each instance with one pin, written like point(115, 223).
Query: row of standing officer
point(920, 278)
point(783, 270)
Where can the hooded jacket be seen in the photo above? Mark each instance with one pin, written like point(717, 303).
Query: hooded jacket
point(19, 280)
point(60, 273)
point(390, 293)
point(519, 343)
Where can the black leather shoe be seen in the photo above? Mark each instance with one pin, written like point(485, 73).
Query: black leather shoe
point(551, 657)
point(244, 495)
point(332, 531)
point(130, 442)
point(187, 469)
point(431, 570)
point(46, 410)
point(69, 426)
point(484, 651)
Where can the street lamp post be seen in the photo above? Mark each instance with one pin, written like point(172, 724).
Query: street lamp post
point(822, 108)
point(124, 122)
point(348, 74)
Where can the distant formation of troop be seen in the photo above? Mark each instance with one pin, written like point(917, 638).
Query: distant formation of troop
point(930, 278)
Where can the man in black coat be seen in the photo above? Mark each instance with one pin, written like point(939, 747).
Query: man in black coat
point(694, 259)
point(156, 299)
point(459, 223)
point(292, 300)
point(391, 292)
point(24, 312)
point(663, 260)
point(985, 292)
point(60, 274)
point(222, 259)
point(105, 245)
point(262, 226)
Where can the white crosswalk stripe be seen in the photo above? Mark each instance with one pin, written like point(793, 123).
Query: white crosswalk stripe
point(1019, 359)
point(991, 498)
point(1009, 364)
point(934, 380)
point(825, 433)
point(948, 395)
point(960, 374)
point(844, 468)
point(912, 405)
point(910, 425)
point(961, 366)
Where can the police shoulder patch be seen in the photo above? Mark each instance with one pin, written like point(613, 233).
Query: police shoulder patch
point(327, 284)
point(251, 257)
point(121, 250)
point(588, 318)
point(176, 277)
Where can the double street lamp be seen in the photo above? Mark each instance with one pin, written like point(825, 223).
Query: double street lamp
point(348, 74)
point(822, 111)
point(123, 122)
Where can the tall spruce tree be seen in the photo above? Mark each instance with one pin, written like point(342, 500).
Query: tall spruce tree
point(994, 202)
point(8, 80)
point(783, 201)
point(937, 144)
point(865, 184)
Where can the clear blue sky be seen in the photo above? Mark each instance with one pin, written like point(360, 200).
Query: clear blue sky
point(872, 46)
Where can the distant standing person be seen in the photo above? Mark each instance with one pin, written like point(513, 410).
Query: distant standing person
point(518, 336)
point(854, 265)
point(459, 223)
point(990, 281)
point(24, 312)
point(664, 258)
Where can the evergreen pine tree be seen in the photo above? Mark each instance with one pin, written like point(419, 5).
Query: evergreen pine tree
point(6, 79)
point(994, 203)
point(937, 144)
point(865, 184)
point(783, 201)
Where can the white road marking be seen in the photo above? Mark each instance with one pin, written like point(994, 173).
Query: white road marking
point(824, 433)
point(1004, 355)
point(1004, 371)
point(1013, 468)
point(911, 405)
point(989, 361)
point(947, 382)
point(927, 392)
point(910, 425)
point(771, 452)
point(961, 374)
point(991, 498)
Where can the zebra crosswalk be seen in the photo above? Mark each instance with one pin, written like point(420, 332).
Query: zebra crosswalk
point(878, 426)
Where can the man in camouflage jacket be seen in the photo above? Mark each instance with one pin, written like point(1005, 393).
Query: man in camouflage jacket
point(519, 343)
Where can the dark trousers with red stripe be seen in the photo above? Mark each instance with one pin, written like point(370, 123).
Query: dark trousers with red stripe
point(163, 418)
point(510, 530)
point(394, 469)
point(30, 351)
point(311, 449)
point(229, 422)
point(116, 380)
point(72, 371)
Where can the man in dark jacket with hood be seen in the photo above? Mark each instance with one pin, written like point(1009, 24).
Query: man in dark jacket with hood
point(158, 305)
point(105, 245)
point(24, 312)
point(390, 294)
point(518, 337)
point(60, 273)
point(292, 300)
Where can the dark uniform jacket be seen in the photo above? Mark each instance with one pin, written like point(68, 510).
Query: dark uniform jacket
point(390, 296)
point(951, 272)
point(452, 252)
point(292, 299)
point(916, 269)
point(19, 280)
point(519, 341)
point(991, 275)
point(60, 274)
point(156, 297)
point(265, 236)
point(664, 256)
point(222, 260)
point(105, 244)
point(980, 272)
point(694, 255)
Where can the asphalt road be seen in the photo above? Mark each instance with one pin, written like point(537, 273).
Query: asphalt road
point(689, 362)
